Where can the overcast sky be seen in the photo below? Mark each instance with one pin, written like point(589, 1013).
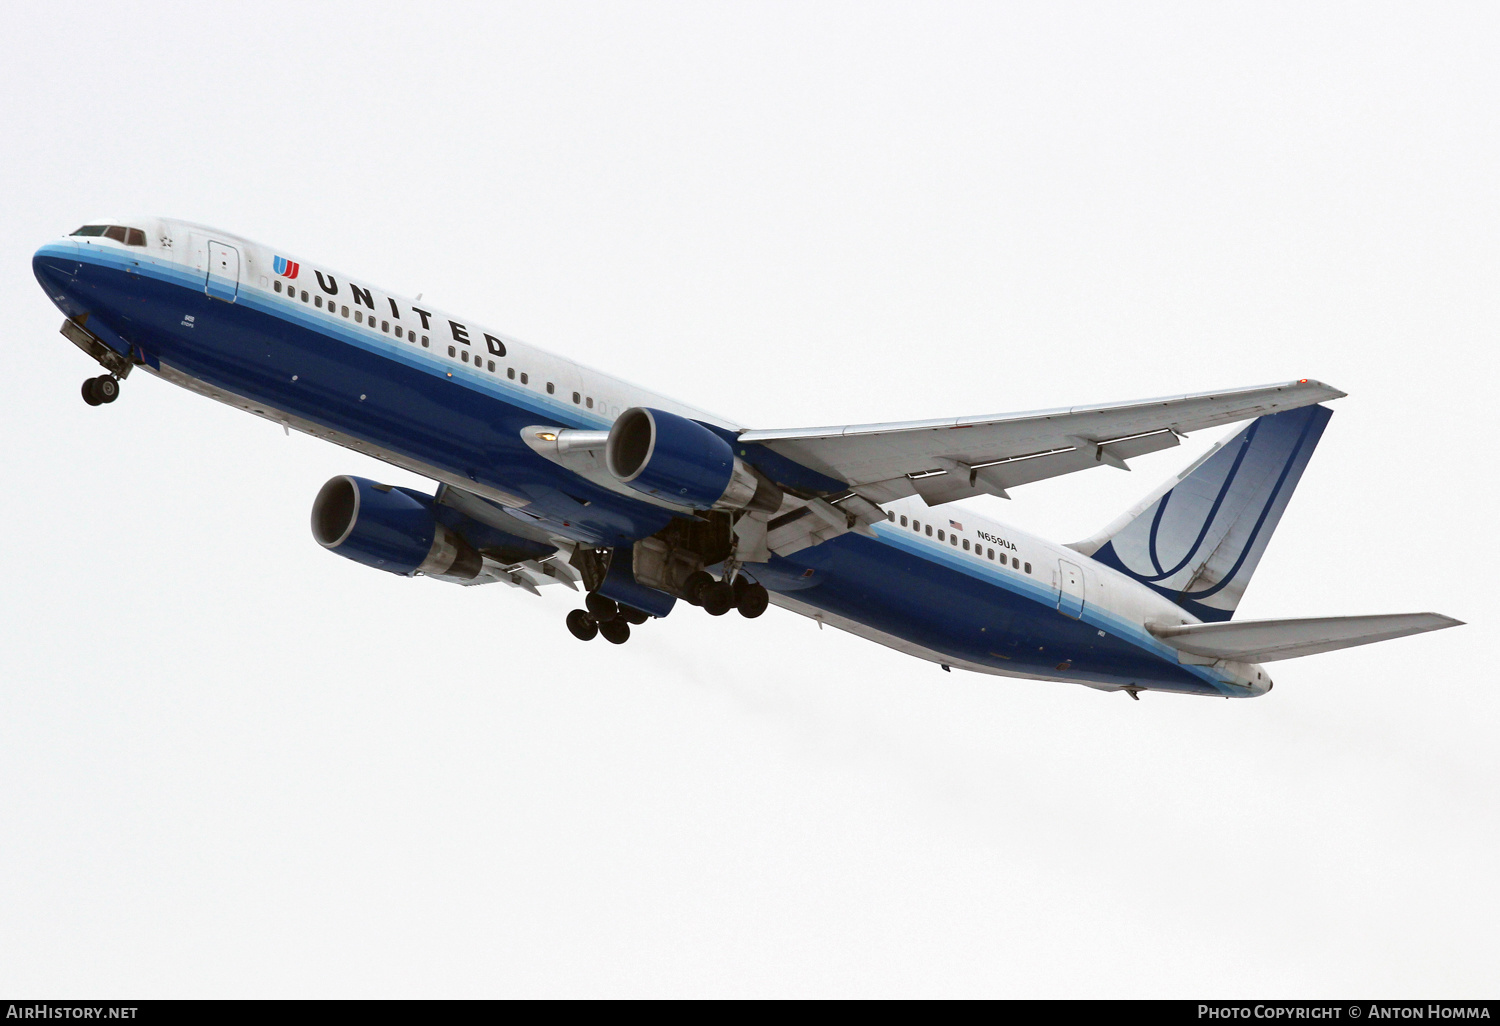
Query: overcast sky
point(232, 763)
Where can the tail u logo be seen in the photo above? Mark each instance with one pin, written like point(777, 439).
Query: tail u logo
point(286, 268)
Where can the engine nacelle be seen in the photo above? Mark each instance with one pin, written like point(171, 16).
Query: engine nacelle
point(389, 528)
point(673, 458)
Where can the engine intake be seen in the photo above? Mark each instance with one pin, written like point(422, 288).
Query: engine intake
point(673, 458)
point(391, 529)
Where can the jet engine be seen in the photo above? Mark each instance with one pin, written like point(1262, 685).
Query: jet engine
point(390, 528)
point(673, 458)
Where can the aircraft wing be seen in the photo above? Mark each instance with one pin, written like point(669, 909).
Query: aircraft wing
point(1261, 641)
point(944, 460)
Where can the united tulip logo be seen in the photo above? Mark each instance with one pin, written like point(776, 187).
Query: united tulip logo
point(286, 268)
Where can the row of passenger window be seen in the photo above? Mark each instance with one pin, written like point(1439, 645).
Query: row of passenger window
point(956, 541)
point(359, 315)
point(480, 363)
point(579, 399)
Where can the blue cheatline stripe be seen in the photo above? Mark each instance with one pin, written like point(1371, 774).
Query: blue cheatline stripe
point(552, 410)
point(1029, 588)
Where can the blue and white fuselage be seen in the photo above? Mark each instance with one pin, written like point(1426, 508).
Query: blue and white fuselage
point(466, 405)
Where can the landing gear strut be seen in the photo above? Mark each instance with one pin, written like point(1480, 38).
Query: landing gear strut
point(103, 389)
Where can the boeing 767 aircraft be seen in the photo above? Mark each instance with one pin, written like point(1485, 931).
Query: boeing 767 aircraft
point(550, 473)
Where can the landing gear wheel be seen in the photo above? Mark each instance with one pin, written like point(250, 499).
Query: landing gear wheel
point(88, 392)
point(582, 626)
point(750, 598)
point(692, 588)
point(616, 632)
point(716, 598)
point(635, 616)
point(604, 609)
point(106, 388)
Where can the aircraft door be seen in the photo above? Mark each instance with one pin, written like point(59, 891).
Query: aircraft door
point(223, 278)
point(1069, 589)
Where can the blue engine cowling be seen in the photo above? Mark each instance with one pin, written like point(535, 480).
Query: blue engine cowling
point(389, 528)
point(679, 460)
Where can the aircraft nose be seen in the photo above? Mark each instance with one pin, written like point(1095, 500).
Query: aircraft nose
point(56, 266)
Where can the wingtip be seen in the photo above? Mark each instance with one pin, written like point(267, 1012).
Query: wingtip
point(1329, 391)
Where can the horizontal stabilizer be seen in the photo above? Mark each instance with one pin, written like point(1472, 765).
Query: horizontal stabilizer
point(1263, 641)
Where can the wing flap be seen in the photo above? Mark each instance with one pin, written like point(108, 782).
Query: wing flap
point(1264, 641)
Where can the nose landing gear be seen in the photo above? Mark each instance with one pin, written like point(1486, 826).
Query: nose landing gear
point(103, 389)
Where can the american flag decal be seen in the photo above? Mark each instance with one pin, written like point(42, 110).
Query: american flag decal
point(955, 525)
point(286, 268)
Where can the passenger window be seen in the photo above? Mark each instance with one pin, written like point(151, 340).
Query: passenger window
point(115, 232)
point(451, 351)
point(318, 301)
point(135, 237)
point(524, 378)
point(953, 541)
point(276, 285)
point(359, 318)
point(990, 553)
point(344, 311)
point(491, 367)
point(551, 388)
point(466, 356)
point(1015, 562)
point(424, 341)
point(577, 398)
point(1028, 568)
point(510, 372)
point(304, 295)
point(903, 521)
point(589, 402)
point(385, 326)
point(398, 332)
point(928, 529)
point(966, 545)
point(942, 536)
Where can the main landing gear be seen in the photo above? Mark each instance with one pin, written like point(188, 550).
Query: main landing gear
point(607, 618)
point(604, 616)
point(103, 389)
point(719, 597)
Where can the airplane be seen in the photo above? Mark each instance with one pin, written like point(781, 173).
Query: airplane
point(549, 473)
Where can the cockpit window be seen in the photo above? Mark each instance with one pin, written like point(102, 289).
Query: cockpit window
point(120, 233)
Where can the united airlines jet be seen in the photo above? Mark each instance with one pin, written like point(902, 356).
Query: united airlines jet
point(552, 474)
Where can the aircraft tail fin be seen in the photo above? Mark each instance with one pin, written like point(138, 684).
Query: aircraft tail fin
point(1199, 537)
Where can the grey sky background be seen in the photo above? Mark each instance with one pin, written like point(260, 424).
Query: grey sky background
point(234, 764)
